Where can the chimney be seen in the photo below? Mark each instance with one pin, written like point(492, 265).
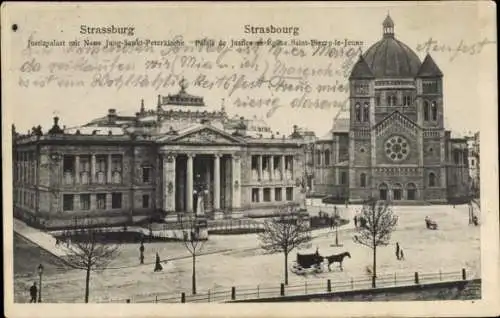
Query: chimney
point(142, 106)
point(112, 116)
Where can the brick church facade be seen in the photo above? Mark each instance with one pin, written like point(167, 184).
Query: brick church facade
point(393, 145)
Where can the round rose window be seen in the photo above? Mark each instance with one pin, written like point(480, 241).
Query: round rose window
point(397, 148)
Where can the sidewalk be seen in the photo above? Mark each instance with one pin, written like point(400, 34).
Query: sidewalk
point(40, 238)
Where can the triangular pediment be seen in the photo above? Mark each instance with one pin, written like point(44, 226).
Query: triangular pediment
point(396, 119)
point(202, 135)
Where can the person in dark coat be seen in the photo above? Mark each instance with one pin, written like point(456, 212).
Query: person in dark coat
point(356, 221)
point(397, 250)
point(33, 293)
point(158, 267)
point(401, 254)
point(141, 249)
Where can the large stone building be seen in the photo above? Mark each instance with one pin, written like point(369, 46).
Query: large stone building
point(117, 169)
point(120, 169)
point(393, 145)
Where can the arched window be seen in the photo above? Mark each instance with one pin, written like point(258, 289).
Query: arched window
point(432, 179)
point(397, 191)
point(411, 191)
point(382, 191)
point(327, 157)
point(426, 110)
point(434, 111)
point(318, 157)
point(362, 180)
point(366, 112)
point(358, 112)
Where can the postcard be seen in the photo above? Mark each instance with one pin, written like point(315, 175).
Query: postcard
point(274, 159)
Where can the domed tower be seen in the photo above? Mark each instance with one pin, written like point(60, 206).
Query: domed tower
point(395, 119)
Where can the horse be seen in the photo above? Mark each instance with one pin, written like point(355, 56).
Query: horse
point(337, 258)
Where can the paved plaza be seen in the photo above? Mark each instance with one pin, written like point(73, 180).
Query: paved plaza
point(454, 246)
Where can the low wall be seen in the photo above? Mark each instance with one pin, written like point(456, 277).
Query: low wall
point(456, 290)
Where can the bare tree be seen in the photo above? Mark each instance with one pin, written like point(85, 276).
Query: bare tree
point(89, 252)
point(377, 224)
point(287, 230)
point(193, 239)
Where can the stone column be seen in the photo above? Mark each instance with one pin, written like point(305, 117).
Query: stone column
point(77, 169)
point(283, 176)
point(236, 182)
point(93, 178)
point(169, 183)
point(271, 166)
point(108, 170)
point(217, 182)
point(189, 183)
point(260, 167)
point(261, 194)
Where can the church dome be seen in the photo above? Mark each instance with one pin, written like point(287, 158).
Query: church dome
point(390, 57)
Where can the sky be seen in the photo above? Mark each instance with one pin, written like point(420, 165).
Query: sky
point(449, 26)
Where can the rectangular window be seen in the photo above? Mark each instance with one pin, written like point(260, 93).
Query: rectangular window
point(407, 100)
point(267, 195)
point(146, 174)
point(101, 201)
point(277, 194)
point(378, 99)
point(430, 87)
point(145, 201)
point(116, 163)
point(289, 194)
point(68, 202)
point(343, 177)
point(255, 195)
point(69, 163)
point(84, 201)
point(116, 201)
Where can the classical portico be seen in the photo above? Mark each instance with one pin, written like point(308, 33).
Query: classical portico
point(202, 160)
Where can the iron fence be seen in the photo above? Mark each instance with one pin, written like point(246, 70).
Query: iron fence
point(308, 287)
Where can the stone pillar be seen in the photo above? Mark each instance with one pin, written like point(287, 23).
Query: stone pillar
point(169, 183)
point(271, 166)
point(92, 169)
point(260, 167)
point(217, 182)
point(189, 183)
point(283, 176)
point(77, 169)
point(271, 195)
point(236, 182)
point(261, 194)
point(108, 170)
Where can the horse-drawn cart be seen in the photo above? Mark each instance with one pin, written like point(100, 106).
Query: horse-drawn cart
point(430, 224)
point(307, 264)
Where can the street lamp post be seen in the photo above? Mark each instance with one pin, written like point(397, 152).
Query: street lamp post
point(40, 273)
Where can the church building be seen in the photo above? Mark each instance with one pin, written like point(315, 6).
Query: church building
point(393, 145)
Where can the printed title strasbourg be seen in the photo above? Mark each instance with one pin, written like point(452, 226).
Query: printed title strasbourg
point(271, 29)
point(129, 31)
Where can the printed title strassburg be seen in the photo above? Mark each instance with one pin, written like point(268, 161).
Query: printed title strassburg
point(272, 29)
point(108, 29)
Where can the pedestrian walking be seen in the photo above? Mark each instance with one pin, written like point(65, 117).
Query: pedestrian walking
point(141, 249)
point(158, 267)
point(33, 293)
point(356, 221)
point(401, 255)
point(398, 249)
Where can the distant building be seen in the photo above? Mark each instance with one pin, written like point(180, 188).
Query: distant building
point(393, 146)
point(474, 167)
point(120, 169)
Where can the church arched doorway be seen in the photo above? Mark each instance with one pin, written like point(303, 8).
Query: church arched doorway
point(382, 189)
point(397, 192)
point(411, 191)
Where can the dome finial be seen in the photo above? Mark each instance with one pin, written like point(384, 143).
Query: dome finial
point(388, 26)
